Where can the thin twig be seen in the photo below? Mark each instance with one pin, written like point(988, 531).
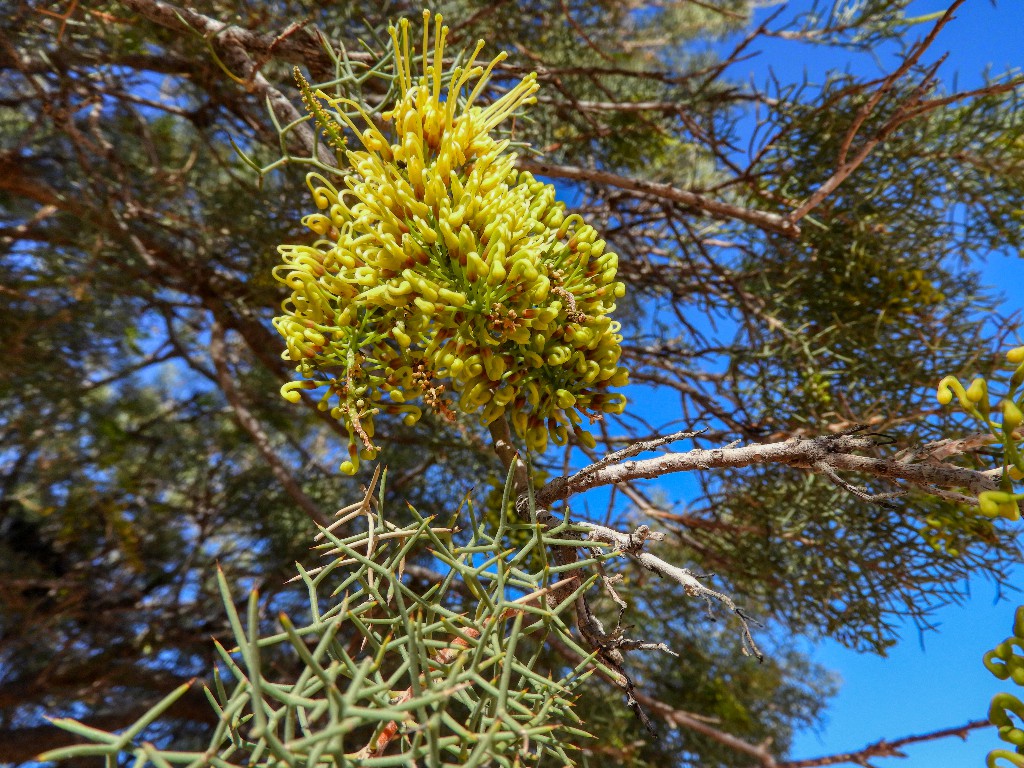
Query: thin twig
point(251, 424)
point(845, 167)
point(770, 222)
point(885, 748)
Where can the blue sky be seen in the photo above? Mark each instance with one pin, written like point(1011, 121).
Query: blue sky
point(937, 680)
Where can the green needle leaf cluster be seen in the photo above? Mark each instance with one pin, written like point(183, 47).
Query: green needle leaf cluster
point(388, 675)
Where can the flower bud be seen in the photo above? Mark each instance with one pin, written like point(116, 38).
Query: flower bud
point(1012, 416)
point(565, 399)
point(290, 391)
point(584, 438)
point(999, 503)
point(944, 393)
point(977, 391)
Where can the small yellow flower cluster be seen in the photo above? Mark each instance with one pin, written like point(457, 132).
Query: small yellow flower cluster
point(443, 272)
point(1006, 663)
point(974, 401)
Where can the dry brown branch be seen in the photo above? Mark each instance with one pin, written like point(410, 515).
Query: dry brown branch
point(251, 425)
point(845, 167)
point(618, 106)
point(760, 752)
point(715, 208)
point(508, 454)
point(680, 718)
point(885, 748)
point(887, 84)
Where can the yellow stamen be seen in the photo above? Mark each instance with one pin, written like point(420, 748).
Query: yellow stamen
point(484, 79)
point(440, 33)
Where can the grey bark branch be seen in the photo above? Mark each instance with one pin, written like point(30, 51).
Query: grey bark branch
point(631, 544)
point(302, 48)
point(840, 453)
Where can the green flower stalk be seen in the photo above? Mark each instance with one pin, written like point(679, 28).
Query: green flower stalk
point(445, 278)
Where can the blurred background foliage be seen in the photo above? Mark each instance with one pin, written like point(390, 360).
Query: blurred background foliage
point(134, 456)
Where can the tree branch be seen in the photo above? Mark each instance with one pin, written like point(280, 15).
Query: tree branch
point(716, 208)
point(884, 748)
point(845, 167)
point(251, 425)
point(836, 452)
point(238, 44)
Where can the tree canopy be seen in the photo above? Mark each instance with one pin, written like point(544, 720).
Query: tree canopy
point(799, 265)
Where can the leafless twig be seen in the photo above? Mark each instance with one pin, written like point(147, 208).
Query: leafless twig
point(838, 453)
point(259, 436)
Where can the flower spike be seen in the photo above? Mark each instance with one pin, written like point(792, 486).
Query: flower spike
point(445, 276)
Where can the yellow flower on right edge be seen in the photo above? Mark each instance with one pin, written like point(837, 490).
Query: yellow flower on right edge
point(444, 277)
point(974, 401)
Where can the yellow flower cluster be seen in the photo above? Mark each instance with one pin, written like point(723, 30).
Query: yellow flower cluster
point(975, 402)
point(1004, 662)
point(444, 275)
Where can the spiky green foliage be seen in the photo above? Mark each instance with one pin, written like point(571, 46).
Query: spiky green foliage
point(389, 675)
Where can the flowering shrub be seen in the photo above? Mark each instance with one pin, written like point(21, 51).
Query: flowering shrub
point(444, 277)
